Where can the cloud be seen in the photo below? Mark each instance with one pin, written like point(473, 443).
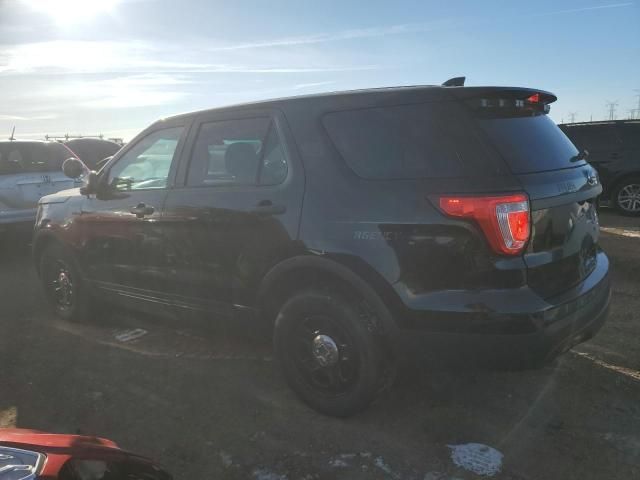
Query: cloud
point(350, 34)
point(19, 118)
point(86, 57)
point(584, 9)
point(121, 92)
point(302, 86)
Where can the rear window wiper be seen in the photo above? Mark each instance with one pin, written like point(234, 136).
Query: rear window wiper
point(582, 155)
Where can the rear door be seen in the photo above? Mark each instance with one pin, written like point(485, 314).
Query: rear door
point(238, 208)
point(563, 247)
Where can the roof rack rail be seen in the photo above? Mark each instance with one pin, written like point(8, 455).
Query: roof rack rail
point(455, 82)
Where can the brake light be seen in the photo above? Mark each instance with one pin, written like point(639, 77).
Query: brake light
point(504, 220)
point(535, 98)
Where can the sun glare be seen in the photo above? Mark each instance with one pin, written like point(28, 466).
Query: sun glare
point(67, 12)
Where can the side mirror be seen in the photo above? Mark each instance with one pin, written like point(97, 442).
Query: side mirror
point(91, 184)
point(74, 168)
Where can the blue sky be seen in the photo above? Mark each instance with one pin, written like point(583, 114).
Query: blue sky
point(115, 66)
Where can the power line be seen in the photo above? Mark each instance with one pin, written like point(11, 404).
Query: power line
point(612, 109)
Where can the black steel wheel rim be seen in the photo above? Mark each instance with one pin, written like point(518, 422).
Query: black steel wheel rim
point(324, 355)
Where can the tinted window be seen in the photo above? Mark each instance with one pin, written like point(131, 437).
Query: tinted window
point(594, 138)
point(146, 165)
point(237, 152)
point(410, 141)
point(25, 157)
point(630, 135)
point(530, 144)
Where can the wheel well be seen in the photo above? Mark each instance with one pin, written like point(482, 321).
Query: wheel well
point(303, 273)
point(300, 279)
point(39, 246)
point(621, 179)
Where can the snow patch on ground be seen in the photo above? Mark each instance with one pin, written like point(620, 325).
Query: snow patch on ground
point(266, 474)
point(477, 458)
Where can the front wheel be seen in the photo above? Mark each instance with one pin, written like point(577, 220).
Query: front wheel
point(329, 353)
point(63, 285)
point(626, 196)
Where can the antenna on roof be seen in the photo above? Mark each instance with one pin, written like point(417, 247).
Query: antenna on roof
point(455, 82)
point(13, 131)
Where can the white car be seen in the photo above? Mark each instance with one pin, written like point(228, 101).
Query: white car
point(29, 170)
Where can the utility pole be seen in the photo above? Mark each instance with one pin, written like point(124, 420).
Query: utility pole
point(637, 109)
point(632, 112)
point(572, 117)
point(612, 109)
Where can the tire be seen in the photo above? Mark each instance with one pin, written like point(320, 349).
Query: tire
point(353, 373)
point(63, 285)
point(626, 196)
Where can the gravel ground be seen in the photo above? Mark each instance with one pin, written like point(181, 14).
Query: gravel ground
point(209, 403)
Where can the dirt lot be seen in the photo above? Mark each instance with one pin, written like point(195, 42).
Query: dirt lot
point(214, 405)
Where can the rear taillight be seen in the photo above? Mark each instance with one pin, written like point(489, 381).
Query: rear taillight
point(504, 220)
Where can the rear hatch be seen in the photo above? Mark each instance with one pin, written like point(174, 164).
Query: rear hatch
point(562, 188)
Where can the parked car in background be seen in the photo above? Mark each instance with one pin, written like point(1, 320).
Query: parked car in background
point(32, 454)
point(614, 150)
point(28, 171)
point(92, 150)
point(360, 226)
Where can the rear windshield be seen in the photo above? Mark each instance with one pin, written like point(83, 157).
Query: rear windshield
point(411, 141)
point(25, 157)
point(530, 144)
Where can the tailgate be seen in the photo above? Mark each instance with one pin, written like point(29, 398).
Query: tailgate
point(561, 186)
point(564, 236)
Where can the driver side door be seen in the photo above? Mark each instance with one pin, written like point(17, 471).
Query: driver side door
point(122, 238)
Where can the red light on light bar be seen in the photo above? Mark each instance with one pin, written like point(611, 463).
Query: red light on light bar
point(535, 98)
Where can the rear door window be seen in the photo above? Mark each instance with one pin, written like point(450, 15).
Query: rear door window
point(32, 157)
point(594, 138)
point(411, 141)
point(530, 144)
point(238, 152)
point(630, 135)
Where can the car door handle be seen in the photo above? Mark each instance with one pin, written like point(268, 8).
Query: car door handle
point(267, 207)
point(141, 210)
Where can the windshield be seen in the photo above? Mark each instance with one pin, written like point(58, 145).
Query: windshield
point(319, 240)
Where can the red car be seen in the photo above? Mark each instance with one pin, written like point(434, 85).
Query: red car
point(30, 454)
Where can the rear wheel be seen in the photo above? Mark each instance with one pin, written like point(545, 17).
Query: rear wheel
point(626, 196)
point(329, 353)
point(63, 285)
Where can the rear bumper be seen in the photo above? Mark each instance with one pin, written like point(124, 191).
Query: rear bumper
point(533, 332)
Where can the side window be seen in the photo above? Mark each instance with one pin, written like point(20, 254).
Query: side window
point(16, 161)
point(630, 135)
point(56, 155)
point(237, 152)
point(598, 138)
point(146, 165)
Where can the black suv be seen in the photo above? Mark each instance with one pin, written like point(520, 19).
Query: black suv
point(359, 225)
point(614, 150)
